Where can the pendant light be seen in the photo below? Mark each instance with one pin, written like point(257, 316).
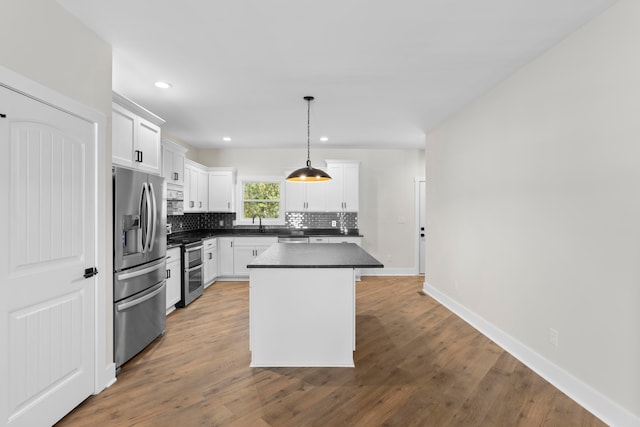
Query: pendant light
point(307, 173)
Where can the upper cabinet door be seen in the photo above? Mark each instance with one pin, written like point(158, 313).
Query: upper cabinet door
point(135, 135)
point(203, 191)
point(173, 163)
point(122, 136)
point(343, 191)
point(148, 147)
point(221, 190)
point(316, 196)
point(295, 196)
point(335, 188)
point(351, 187)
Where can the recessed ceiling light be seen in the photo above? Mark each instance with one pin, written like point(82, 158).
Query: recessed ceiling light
point(226, 139)
point(163, 85)
point(324, 139)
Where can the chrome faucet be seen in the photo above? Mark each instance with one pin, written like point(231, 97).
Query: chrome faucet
point(253, 221)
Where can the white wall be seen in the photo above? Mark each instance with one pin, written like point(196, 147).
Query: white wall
point(44, 43)
point(386, 191)
point(533, 205)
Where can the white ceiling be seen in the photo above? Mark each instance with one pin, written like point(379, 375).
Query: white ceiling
point(383, 72)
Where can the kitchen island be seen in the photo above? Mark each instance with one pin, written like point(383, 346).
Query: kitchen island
point(302, 304)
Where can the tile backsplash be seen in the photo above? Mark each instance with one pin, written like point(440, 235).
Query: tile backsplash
point(295, 220)
point(199, 221)
point(302, 220)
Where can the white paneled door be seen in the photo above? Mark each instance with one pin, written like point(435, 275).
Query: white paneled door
point(47, 306)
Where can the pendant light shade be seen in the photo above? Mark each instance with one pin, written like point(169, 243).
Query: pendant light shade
point(308, 173)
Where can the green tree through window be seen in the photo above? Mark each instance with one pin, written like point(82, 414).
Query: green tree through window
point(261, 198)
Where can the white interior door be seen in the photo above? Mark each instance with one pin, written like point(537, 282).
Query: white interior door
point(47, 306)
point(422, 223)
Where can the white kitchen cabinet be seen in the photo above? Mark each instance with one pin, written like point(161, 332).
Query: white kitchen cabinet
point(343, 191)
point(306, 196)
point(210, 261)
point(236, 252)
point(221, 190)
point(203, 191)
point(318, 239)
point(346, 239)
point(135, 134)
point(225, 254)
point(196, 185)
point(174, 278)
point(246, 249)
point(242, 255)
point(173, 156)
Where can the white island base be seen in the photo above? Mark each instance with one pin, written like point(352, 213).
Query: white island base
point(302, 317)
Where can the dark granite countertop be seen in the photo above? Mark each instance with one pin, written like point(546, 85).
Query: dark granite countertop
point(309, 255)
point(176, 239)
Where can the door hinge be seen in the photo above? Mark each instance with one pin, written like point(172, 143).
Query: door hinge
point(90, 272)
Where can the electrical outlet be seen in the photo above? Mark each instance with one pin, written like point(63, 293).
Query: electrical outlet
point(553, 337)
point(333, 223)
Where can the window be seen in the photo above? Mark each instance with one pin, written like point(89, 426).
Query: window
point(261, 197)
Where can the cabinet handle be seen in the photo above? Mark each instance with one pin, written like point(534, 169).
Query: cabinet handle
point(138, 156)
point(200, 205)
point(228, 205)
point(168, 274)
point(175, 176)
point(210, 255)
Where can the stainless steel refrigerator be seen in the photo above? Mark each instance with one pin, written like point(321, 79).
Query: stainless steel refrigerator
point(139, 249)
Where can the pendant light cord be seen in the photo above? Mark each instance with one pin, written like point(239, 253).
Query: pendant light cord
point(309, 132)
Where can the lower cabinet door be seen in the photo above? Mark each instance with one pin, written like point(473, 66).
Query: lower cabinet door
point(225, 248)
point(174, 279)
point(241, 257)
point(210, 267)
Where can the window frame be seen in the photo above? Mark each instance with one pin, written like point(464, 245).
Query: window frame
point(240, 218)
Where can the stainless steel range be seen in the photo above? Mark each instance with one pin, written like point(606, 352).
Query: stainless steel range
point(192, 278)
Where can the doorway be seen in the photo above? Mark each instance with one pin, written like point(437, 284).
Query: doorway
point(420, 215)
point(49, 295)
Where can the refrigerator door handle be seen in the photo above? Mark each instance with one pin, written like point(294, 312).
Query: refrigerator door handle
point(146, 200)
point(153, 292)
point(128, 275)
point(143, 218)
point(154, 216)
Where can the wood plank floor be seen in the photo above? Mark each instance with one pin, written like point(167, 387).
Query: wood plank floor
point(417, 364)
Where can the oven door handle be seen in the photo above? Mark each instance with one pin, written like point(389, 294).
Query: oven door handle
point(152, 293)
point(197, 248)
point(198, 267)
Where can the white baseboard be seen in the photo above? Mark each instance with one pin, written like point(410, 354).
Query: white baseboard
point(388, 272)
point(109, 376)
point(586, 396)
